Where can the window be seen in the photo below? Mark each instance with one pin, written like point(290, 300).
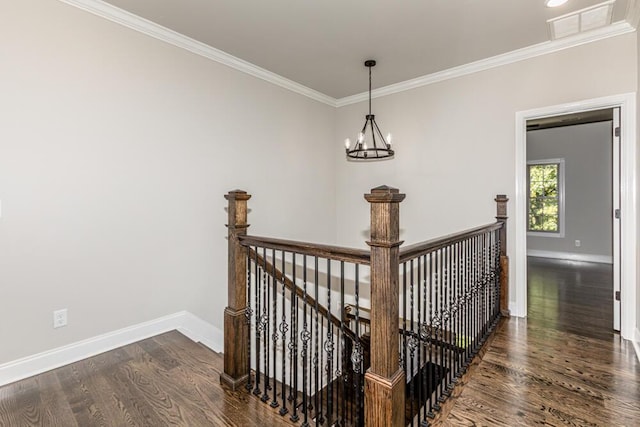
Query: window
point(545, 184)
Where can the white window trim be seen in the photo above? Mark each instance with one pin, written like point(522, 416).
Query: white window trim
point(561, 200)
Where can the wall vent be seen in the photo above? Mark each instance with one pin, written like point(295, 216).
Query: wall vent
point(590, 18)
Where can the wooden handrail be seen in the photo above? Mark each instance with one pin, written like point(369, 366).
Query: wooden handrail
point(384, 387)
point(412, 251)
point(337, 253)
point(362, 256)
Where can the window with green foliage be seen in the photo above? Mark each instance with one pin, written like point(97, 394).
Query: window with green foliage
point(545, 196)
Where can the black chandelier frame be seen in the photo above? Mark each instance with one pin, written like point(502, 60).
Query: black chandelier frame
point(381, 148)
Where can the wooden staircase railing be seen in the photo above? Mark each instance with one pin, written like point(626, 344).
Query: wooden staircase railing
point(281, 277)
point(432, 307)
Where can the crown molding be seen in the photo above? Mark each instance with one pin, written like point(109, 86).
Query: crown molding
point(129, 20)
point(544, 48)
point(135, 22)
point(633, 14)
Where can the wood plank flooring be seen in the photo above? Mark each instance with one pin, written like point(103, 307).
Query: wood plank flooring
point(563, 365)
point(571, 296)
point(165, 380)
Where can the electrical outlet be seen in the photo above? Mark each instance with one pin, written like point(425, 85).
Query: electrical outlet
point(577, 243)
point(60, 318)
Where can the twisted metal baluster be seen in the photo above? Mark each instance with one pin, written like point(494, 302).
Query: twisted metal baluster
point(425, 336)
point(293, 389)
point(421, 371)
point(411, 341)
point(432, 389)
point(304, 336)
point(316, 340)
point(458, 312)
point(356, 355)
point(265, 323)
point(284, 328)
point(438, 325)
point(256, 390)
point(341, 350)
point(476, 289)
point(321, 367)
point(248, 312)
point(274, 335)
point(447, 313)
point(258, 323)
point(328, 347)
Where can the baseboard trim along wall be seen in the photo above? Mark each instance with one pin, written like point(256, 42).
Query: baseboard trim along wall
point(602, 259)
point(636, 343)
point(187, 323)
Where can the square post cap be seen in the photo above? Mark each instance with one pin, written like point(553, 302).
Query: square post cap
point(237, 195)
point(384, 194)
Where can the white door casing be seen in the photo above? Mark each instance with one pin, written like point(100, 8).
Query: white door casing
point(628, 208)
point(615, 215)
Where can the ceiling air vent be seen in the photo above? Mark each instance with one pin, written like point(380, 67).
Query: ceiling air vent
point(590, 18)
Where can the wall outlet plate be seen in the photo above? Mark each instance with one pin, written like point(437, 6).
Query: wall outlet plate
point(60, 318)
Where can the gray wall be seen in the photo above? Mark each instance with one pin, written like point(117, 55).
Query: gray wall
point(588, 187)
point(115, 152)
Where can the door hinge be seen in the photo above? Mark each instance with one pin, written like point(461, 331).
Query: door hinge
point(616, 132)
point(617, 295)
point(616, 214)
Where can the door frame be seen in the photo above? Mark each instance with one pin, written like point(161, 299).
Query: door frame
point(628, 221)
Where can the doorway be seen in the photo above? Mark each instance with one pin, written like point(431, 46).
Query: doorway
point(572, 232)
point(628, 212)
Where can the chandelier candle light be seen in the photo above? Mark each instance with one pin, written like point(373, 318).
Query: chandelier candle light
point(371, 147)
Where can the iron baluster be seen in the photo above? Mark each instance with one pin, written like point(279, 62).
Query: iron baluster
point(419, 378)
point(426, 341)
point(412, 340)
point(265, 320)
point(304, 336)
point(284, 328)
point(248, 312)
point(356, 356)
point(274, 335)
point(328, 347)
point(316, 340)
point(342, 375)
point(256, 390)
point(293, 389)
point(430, 408)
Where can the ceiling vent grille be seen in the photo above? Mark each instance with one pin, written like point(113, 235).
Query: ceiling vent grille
point(590, 18)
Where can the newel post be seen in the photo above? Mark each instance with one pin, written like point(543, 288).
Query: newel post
point(235, 324)
point(501, 216)
point(384, 380)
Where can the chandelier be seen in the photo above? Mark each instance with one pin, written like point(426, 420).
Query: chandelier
point(370, 144)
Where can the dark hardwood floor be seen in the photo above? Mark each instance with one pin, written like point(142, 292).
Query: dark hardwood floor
point(571, 296)
point(563, 365)
point(161, 381)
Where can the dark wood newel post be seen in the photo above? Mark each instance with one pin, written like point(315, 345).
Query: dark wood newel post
point(384, 380)
point(501, 216)
point(235, 325)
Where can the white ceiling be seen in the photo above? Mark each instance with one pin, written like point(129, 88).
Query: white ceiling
point(322, 44)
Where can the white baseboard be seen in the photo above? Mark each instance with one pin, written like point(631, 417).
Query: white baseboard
point(187, 323)
point(602, 259)
point(636, 342)
point(203, 332)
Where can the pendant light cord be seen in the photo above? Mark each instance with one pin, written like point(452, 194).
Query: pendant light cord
point(369, 89)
